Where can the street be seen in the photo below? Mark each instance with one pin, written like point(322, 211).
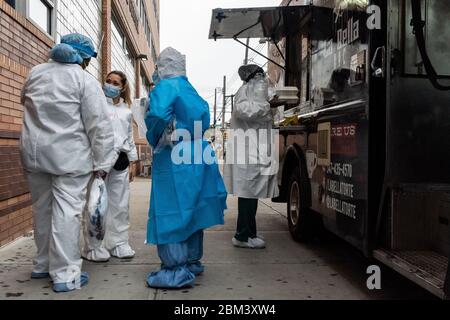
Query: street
point(285, 270)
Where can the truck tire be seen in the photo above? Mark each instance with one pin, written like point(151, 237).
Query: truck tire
point(300, 217)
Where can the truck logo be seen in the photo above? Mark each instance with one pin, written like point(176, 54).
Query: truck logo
point(374, 12)
point(348, 35)
point(343, 140)
point(343, 131)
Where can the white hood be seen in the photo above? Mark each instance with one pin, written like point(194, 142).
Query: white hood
point(171, 63)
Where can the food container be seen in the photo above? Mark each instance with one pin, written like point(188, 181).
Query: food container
point(288, 95)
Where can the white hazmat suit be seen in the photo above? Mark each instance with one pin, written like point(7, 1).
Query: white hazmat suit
point(251, 164)
point(118, 189)
point(66, 136)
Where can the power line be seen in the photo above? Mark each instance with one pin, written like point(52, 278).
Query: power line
point(210, 97)
point(235, 77)
point(260, 47)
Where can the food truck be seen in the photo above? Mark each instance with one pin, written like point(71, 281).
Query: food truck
point(365, 148)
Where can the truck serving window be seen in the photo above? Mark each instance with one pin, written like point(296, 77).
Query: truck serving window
point(436, 14)
point(298, 57)
point(339, 56)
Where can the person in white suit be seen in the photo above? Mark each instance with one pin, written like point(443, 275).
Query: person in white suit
point(117, 91)
point(66, 138)
point(248, 172)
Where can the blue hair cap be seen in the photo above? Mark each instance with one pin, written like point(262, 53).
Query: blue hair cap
point(63, 53)
point(81, 43)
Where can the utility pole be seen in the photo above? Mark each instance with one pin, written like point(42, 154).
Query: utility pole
point(215, 107)
point(224, 101)
point(223, 115)
point(246, 52)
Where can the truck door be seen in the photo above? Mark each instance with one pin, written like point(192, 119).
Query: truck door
point(414, 225)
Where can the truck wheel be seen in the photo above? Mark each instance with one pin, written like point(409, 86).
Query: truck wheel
point(299, 216)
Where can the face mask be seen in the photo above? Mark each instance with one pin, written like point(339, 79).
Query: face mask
point(155, 77)
point(259, 88)
point(111, 91)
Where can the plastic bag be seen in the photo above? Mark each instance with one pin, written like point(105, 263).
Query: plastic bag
point(257, 93)
point(139, 108)
point(166, 139)
point(96, 210)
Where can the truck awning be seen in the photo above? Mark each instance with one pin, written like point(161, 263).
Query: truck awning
point(270, 22)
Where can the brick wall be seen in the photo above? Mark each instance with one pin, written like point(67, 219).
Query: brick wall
point(22, 46)
point(106, 46)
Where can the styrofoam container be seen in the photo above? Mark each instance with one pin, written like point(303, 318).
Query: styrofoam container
point(291, 92)
point(289, 100)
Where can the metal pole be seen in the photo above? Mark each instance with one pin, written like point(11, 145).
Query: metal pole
point(215, 107)
point(246, 51)
point(224, 101)
point(224, 114)
point(232, 103)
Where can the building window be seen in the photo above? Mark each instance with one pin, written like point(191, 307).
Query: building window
point(142, 10)
point(134, 13)
point(145, 24)
point(118, 35)
point(122, 57)
point(12, 3)
point(155, 6)
point(82, 17)
point(40, 11)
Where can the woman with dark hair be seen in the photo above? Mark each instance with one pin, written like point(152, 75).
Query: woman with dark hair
point(115, 243)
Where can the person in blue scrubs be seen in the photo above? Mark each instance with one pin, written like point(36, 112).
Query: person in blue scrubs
point(188, 194)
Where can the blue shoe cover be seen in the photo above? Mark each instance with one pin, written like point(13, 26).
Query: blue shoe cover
point(196, 268)
point(36, 275)
point(64, 287)
point(177, 278)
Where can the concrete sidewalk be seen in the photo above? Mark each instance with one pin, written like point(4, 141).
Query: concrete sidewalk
point(285, 270)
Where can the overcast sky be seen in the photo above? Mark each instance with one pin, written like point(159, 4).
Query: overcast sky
point(185, 26)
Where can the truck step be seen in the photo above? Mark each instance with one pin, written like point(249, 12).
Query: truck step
point(426, 268)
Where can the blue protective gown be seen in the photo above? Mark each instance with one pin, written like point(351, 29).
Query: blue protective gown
point(187, 197)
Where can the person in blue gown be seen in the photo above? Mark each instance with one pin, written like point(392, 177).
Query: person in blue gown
point(188, 194)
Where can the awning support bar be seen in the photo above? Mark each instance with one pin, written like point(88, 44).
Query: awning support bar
point(260, 54)
point(279, 50)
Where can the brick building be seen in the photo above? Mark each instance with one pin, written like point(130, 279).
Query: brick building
point(126, 33)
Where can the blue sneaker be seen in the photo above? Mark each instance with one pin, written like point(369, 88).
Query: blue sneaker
point(64, 287)
point(36, 275)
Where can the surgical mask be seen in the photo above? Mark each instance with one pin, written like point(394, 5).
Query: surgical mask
point(111, 91)
point(259, 88)
point(155, 77)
